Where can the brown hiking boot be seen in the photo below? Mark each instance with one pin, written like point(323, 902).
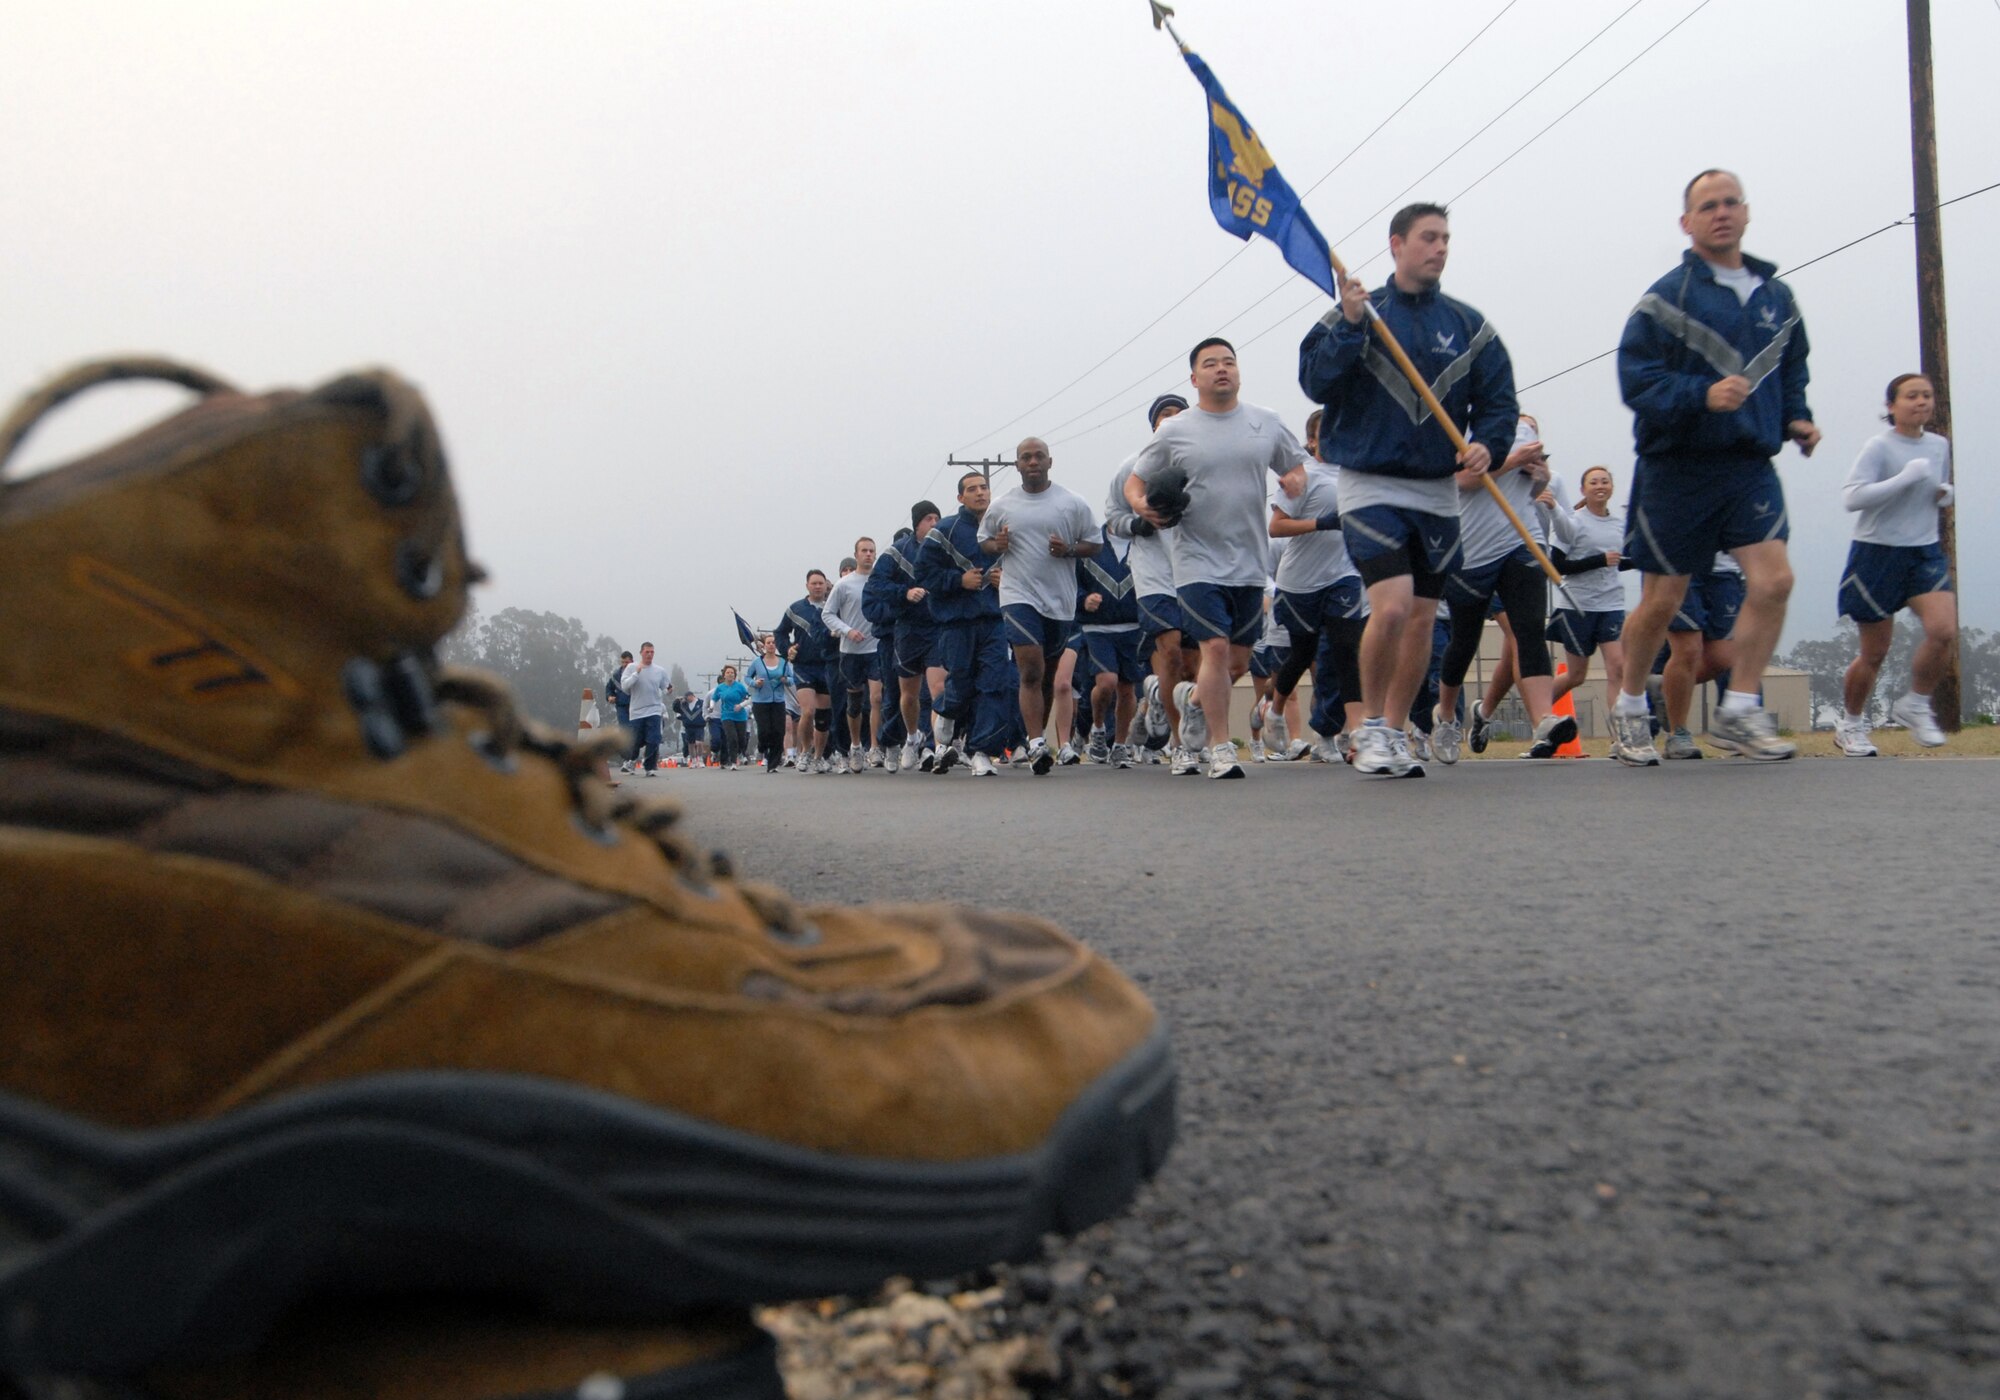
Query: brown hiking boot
point(320, 968)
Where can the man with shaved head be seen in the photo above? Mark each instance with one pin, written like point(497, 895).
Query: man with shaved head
point(1038, 531)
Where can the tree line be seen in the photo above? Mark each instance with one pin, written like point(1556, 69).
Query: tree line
point(1825, 662)
point(548, 660)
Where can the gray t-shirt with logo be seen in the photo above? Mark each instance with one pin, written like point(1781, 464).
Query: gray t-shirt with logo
point(1028, 572)
point(1229, 458)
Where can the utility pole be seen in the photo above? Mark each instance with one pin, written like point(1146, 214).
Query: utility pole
point(986, 465)
point(1931, 337)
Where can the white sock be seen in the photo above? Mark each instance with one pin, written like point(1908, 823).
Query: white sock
point(1736, 701)
point(1851, 719)
point(1629, 704)
point(1921, 701)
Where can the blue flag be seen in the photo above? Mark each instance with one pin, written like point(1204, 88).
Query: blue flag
point(1248, 194)
point(743, 630)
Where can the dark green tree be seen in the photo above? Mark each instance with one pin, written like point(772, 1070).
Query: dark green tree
point(549, 660)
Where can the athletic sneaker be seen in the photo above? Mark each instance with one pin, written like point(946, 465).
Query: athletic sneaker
point(913, 750)
point(874, 758)
point(1277, 735)
point(839, 763)
point(983, 767)
point(1853, 740)
point(1186, 763)
point(1194, 724)
point(929, 761)
point(1482, 731)
point(1222, 762)
point(1067, 756)
point(1375, 750)
point(1257, 754)
point(1680, 745)
point(947, 756)
point(1753, 733)
point(1550, 735)
point(626, 766)
point(1019, 758)
point(1632, 740)
point(1445, 738)
point(1418, 743)
point(1100, 747)
point(1122, 756)
point(1914, 713)
point(1297, 750)
point(1040, 760)
point(1154, 708)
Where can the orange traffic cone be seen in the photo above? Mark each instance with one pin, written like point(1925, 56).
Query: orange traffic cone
point(1564, 706)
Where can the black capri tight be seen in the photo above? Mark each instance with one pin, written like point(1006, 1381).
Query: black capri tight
point(1339, 643)
point(1524, 597)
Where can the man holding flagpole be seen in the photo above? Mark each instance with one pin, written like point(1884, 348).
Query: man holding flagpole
point(1398, 493)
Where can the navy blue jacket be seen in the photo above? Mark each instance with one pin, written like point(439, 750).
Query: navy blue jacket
point(803, 626)
point(884, 600)
point(1687, 332)
point(1105, 573)
point(1374, 421)
point(950, 550)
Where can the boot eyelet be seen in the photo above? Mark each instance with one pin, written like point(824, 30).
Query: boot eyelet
point(391, 475)
point(700, 888)
point(602, 835)
point(499, 761)
point(806, 935)
point(420, 572)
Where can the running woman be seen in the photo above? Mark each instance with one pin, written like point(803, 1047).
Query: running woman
point(1225, 450)
point(1399, 501)
point(1899, 482)
point(1037, 532)
point(1497, 564)
point(1590, 540)
point(1713, 366)
point(846, 621)
point(769, 676)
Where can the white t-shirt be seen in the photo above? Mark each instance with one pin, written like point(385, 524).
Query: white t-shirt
point(1894, 488)
point(1225, 537)
point(1740, 280)
point(1319, 560)
point(1028, 572)
point(843, 614)
point(1484, 531)
point(1580, 532)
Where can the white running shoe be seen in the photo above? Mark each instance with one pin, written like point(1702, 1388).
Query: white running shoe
point(1185, 763)
point(1068, 757)
point(1297, 750)
point(982, 766)
point(1019, 758)
point(929, 761)
point(913, 753)
point(1100, 747)
point(1257, 751)
point(839, 763)
point(1914, 713)
point(1155, 711)
point(1375, 749)
point(1853, 740)
point(626, 766)
point(1222, 762)
point(874, 758)
point(1413, 765)
point(1040, 760)
point(823, 765)
point(1122, 756)
point(1680, 746)
point(1194, 724)
point(1417, 744)
point(1277, 736)
point(1551, 734)
point(1327, 751)
point(1753, 733)
point(1632, 740)
point(1446, 737)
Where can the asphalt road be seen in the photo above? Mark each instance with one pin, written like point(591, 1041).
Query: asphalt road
point(1522, 1080)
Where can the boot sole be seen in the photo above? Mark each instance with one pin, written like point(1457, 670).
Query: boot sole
point(119, 1250)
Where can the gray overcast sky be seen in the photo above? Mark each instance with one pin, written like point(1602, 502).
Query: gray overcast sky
point(701, 292)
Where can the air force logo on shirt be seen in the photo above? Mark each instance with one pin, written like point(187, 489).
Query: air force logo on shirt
point(1446, 342)
point(1767, 319)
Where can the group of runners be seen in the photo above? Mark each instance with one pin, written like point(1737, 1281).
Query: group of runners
point(1371, 554)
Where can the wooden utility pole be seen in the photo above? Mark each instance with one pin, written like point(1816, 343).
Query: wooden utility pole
point(986, 465)
point(1931, 338)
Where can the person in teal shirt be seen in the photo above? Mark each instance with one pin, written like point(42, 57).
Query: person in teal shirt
point(770, 675)
point(732, 698)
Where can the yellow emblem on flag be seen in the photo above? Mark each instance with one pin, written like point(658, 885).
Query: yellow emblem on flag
point(1248, 156)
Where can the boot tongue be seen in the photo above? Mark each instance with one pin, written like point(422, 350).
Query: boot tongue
point(226, 580)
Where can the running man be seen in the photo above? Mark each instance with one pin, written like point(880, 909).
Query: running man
point(1037, 532)
point(1224, 450)
point(896, 602)
point(1713, 366)
point(1108, 611)
point(1399, 499)
point(848, 623)
point(804, 641)
point(977, 707)
point(1322, 605)
point(1152, 561)
point(1899, 482)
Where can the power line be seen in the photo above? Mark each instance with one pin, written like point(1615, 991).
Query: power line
point(1125, 344)
point(1792, 271)
point(1491, 171)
